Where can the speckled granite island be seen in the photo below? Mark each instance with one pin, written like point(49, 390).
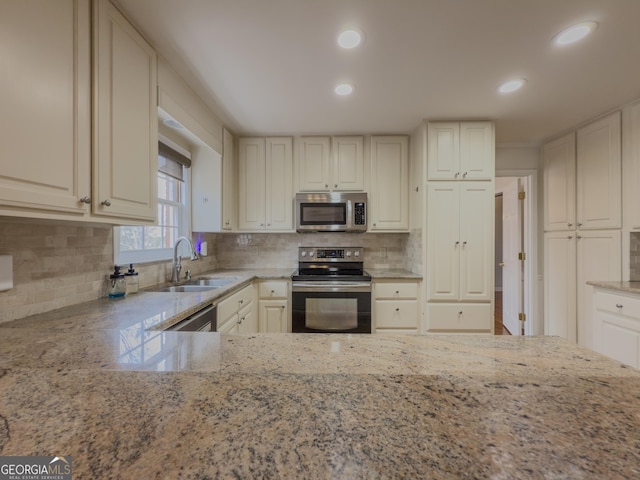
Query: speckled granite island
point(149, 404)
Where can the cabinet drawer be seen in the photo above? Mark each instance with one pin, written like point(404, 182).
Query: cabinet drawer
point(459, 317)
point(233, 303)
point(397, 290)
point(273, 289)
point(400, 314)
point(618, 304)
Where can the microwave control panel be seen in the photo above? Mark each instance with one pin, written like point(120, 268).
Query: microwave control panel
point(359, 213)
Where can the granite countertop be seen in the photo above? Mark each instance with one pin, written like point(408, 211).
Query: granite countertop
point(128, 402)
point(393, 274)
point(624, 287)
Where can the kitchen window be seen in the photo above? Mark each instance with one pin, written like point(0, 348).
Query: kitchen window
point(140, 244)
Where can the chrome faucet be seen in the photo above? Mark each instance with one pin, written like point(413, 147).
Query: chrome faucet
point(177, 266)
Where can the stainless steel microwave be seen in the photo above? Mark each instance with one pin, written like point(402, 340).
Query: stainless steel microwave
point(331, 212)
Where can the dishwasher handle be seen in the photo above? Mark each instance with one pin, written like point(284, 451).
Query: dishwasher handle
point(204, 320)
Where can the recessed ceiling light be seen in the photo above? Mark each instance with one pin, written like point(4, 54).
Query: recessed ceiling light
point(349, 39)
point(344, 89)
point(512, 85)
point(574, 33)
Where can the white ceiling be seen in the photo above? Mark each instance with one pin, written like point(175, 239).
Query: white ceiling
point(270, 66)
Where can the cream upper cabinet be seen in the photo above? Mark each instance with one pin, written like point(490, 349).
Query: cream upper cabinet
point(460, 151)
point(559, 157)
point(330, 164)
point(314, 164)
point(125, 117)
point(599, 164)
point(265, 184)
point(348, 164)
point(389, 193)
point(228, 181)
point(45, 118)
point(460, 241)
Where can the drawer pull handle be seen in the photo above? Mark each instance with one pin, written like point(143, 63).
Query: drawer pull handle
point(619, 305)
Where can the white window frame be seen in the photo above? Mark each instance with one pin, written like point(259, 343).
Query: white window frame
point(160, 254)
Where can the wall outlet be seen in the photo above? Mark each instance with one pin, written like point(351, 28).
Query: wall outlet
point(6, 272)
point(203, 249)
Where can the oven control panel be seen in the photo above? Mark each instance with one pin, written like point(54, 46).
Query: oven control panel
point(331, 254)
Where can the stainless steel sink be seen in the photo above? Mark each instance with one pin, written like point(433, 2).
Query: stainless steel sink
point(203, 284)
point(212, 282)
point(187, 288)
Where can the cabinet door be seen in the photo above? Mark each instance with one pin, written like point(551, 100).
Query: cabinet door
point(348, 164)
point(599, 257)
point(314, 166)
point(397, 316)
point(443, 244)
point(228, 181)
point(251, 192)
point(599, 167)
point(273, 316)
point(279, 184)
point(389, 201)
point(443, 161)
point(461, 317)
point(125, 142)
point(247, 320)
point(632, 174)
point(45, 118)
point(560, 285)
point(559, 159)
point(230, 326)
point(476, 241)
point(617, 326)
point(477, 151)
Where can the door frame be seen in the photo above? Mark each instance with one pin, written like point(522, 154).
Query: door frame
point(532, 284)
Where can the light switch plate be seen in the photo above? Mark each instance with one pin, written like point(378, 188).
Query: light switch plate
point(6, 272)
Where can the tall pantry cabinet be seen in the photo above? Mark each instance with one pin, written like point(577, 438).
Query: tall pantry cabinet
point(460, 226)
point(582, 222)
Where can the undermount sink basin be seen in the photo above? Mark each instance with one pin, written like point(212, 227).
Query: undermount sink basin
point(187, 288)
point(203, 284)
point(211, 282)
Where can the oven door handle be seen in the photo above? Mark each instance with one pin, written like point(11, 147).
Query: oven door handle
point(330, 287)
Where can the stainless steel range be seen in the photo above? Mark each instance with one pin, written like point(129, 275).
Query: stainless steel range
point(331, 292)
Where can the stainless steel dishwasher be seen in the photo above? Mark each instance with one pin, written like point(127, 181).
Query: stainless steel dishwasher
point(204, 320)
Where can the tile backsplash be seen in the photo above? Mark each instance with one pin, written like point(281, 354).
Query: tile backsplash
point(55, 265)
point(61, 264)
point(634, 258)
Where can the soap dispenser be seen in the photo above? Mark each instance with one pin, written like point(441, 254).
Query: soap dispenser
point(133, 283)
point(117, 284)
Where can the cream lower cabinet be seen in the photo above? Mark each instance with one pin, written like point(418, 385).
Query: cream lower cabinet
point(389, 192)
point(616, 318)
point(45, 118)
point(396, 307)
point(571, 260)
point(460, 254)
point(265, 194)
point(236, 313)
point(273, 306)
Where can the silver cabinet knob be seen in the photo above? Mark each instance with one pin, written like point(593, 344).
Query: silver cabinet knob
point(457, 243)
point(85, 199)
point(569, 224)
point(579, 224)
point(456, 175)
point(464, 175)
point(326, 185)
point(619, 305)
point(335, 186)
point(107, 203)
point(397, 309)
point(282, 307)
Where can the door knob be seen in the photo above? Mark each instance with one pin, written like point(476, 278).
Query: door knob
point(501, 264)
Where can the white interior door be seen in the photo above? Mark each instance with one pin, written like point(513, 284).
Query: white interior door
point(511, 244)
